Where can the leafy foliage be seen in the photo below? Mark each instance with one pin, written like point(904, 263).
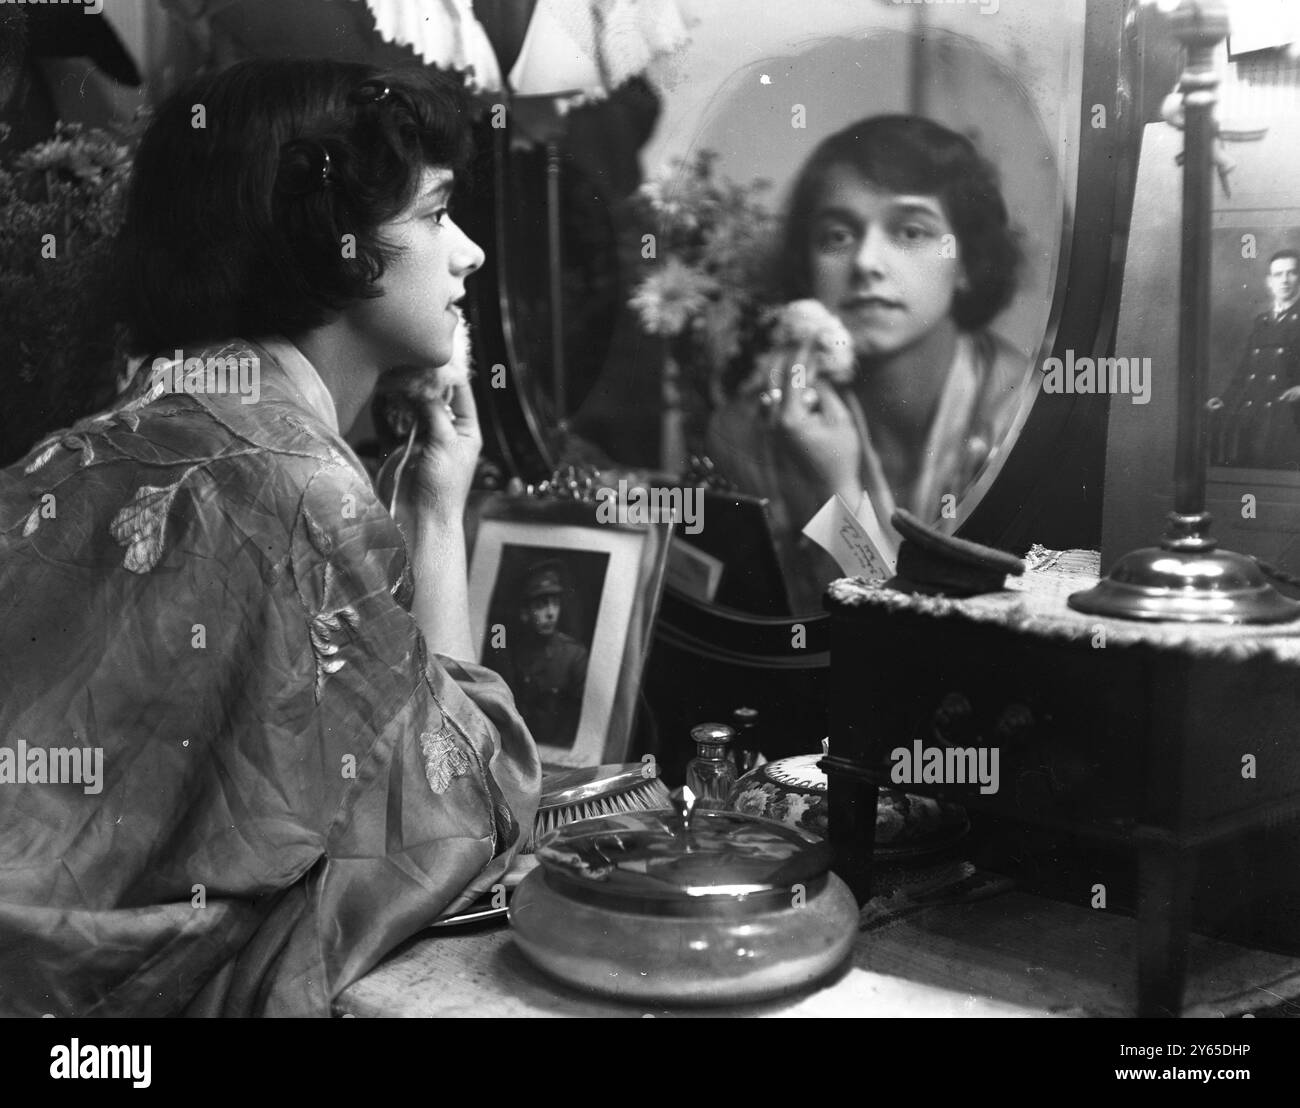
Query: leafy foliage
point(61, 204)
point(712, 271)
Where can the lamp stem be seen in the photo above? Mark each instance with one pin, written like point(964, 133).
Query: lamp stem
point(1201, 31)
point(559, 384)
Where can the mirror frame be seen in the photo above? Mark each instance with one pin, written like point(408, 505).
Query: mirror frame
point(512, 433)
point(1059, 507)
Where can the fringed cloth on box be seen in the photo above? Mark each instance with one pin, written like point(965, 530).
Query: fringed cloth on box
point(1036, 603)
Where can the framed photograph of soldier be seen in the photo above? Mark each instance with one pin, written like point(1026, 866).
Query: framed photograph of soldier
point(562, 606)
point(1252, 410)
point(1254, 405)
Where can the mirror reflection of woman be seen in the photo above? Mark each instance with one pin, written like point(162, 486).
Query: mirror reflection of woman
point(897, 226)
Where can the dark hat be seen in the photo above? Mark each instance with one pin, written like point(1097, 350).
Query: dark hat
point(543, 579)
point(935, 564)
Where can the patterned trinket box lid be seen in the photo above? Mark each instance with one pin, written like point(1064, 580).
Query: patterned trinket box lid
point(793, 791)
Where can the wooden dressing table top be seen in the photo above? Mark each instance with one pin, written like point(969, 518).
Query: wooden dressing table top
point(956, 944)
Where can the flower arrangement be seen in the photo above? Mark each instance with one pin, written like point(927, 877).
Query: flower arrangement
point(710, 272)
point(61, 204)
point(712, 291)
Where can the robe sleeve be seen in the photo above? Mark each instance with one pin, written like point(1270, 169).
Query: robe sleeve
point(291, 785)
point(438, 775)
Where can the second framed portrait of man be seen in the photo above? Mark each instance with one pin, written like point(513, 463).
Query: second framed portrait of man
point(1252, 410)
point(562, 607)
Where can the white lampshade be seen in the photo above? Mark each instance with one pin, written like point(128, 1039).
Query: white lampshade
point(575, 49)
point(558, 55)
point(590, 47)
point(1256, 24)
point(443, 33)
point(1263, 24)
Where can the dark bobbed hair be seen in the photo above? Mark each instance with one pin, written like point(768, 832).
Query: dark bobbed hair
point(219, 238)
point(910, 154)
point(1294, 255)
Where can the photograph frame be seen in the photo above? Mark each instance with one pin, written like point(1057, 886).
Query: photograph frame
point(1255, 511)
point(511, 531)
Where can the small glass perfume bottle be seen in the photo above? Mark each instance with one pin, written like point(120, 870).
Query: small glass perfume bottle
point(746, 747)
point(711, 774)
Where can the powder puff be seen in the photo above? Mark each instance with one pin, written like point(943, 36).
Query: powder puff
point(810, 322)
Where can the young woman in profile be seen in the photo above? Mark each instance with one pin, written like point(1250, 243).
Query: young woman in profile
point(300, 765)
point(897, 226)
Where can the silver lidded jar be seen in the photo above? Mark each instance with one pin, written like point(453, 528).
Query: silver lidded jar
point(684, 906)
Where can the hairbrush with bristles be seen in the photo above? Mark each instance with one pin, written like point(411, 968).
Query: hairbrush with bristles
point(575, 794)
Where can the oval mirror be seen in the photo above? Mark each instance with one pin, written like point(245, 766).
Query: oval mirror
point(895, 234)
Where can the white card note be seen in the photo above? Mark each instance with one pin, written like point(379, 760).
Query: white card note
point(859, 546)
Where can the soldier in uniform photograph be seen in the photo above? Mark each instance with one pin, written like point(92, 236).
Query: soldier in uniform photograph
point(546, 668)
point(1255, 421)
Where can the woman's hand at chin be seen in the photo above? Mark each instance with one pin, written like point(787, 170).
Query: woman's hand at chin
point(436, 472)
point(430, 507)
point(452, 440)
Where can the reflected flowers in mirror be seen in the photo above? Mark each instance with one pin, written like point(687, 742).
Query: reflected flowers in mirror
point(710, 289)
point(707, 265)
point(673, 297)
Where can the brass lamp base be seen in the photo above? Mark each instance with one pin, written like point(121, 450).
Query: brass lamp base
point(1191, 586)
